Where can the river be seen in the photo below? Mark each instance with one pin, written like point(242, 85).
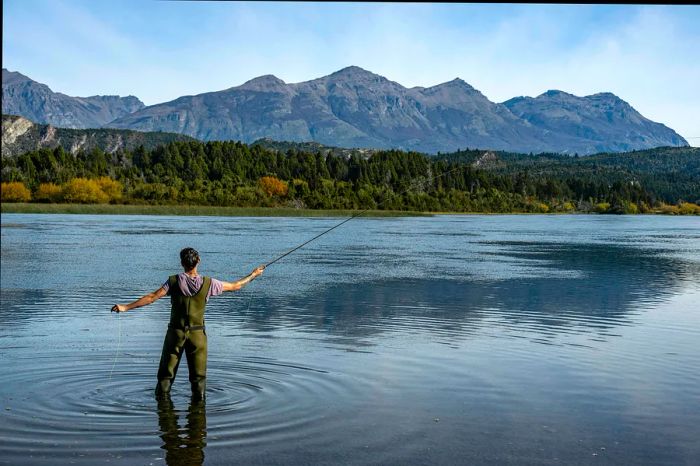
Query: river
point(457, 339)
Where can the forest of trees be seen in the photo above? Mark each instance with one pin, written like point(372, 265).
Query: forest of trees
point(235, 174)
point(669, 174)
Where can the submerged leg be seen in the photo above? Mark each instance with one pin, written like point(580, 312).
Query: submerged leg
point(169, 360)
point(196, 350)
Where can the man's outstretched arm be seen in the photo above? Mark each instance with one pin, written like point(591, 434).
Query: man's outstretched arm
point(233, 286)
point(142, 301)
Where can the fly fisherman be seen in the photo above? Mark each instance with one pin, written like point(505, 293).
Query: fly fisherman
point(189, 293)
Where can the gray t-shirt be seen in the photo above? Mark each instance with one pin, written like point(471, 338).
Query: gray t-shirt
point(191, 285)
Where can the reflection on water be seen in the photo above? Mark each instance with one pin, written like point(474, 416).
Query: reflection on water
point(446, 340)
point(183, 445)
point(608, 283)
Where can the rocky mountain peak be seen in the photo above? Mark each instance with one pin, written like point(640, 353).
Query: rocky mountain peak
point(555, 94)
point(356, 74)
point(456, 91)
point(604, 95)
point(607, 98)
point(36, 101)
point(265, 82)
point(353, 71)
point(457, 84)
point(13, 77)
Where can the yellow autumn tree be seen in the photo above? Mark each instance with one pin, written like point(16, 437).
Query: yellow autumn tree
point(688, 208)
point(602, 207)
point(84, 191)
point(273, 186)
point(14, 191)
point(48, 192)
point(112, 188)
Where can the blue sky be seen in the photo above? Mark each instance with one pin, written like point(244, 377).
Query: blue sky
point(161, 50)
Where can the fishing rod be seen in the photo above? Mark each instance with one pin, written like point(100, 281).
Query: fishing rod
point(433, 178)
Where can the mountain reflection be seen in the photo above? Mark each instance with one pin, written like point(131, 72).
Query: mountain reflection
point(558, 288)
point(591, 288)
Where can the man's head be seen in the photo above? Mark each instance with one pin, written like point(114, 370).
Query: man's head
point(189, 258)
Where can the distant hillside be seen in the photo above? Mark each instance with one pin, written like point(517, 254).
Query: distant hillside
point(601, 122)
point(356, 108)
point(20, 135)
point(670, 173)
point(37, 102)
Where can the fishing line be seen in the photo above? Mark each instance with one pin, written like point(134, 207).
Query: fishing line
point(119, 344)
point(458, 167)
point(431, 179)
point(250, 300)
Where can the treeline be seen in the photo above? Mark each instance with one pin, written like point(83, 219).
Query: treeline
point(669, 174)
point(235, 174)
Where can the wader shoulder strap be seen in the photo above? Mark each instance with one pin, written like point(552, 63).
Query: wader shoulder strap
point(206, 284)
point(172, 284)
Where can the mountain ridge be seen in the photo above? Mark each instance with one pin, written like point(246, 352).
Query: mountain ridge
point(353, 107)
point(23, 96)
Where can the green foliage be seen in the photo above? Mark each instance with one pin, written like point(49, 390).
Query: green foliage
point(630, 208)
point(228, 173)
point(667, 174)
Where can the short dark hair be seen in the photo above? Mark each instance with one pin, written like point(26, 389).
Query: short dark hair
point(189, 258)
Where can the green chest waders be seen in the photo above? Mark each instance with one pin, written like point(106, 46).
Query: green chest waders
point(185, 332)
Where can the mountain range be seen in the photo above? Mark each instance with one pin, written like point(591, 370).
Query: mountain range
point(356, 108)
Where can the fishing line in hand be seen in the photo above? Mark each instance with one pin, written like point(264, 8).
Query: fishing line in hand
point(119, 344)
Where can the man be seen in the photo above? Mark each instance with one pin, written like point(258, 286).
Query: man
point(189, 293)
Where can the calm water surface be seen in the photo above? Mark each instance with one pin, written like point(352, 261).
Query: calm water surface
point(446, 340)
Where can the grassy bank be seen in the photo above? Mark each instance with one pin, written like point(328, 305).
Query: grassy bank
point(216, 211)
point(123, 209)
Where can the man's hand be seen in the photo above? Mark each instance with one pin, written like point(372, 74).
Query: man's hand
point(237, 285)
point(119, 308)
point(142, 301)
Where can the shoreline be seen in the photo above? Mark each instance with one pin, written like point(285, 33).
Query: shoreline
point(193, 210)
point(227, 211)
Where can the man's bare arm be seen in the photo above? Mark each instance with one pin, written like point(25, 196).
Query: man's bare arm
point(142, 301)
point(237, 285)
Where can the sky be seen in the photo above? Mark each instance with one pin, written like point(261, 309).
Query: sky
point(161, 50)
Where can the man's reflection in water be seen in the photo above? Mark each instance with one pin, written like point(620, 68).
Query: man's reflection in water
point(183, 446)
